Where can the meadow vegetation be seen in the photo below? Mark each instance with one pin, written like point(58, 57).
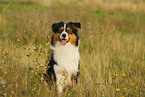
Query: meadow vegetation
point(112, 46)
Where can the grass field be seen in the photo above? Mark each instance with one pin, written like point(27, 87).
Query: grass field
point(112, 46)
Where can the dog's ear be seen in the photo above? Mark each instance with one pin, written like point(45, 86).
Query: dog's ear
point(55, 26)
point(76, 25)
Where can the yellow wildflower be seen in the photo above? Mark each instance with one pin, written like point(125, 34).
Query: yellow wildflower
point(124, 88)
point(36, 73)
point(12, 91)
point(0, 78)
point(5, 72)
point(4, 86)
point(123, 75)
point(117, 89)
point(116, 75)
point(34, 89)
point(5, 53)
point(68, 94)
point(41, 79)
point(48, 43)
point(131, 84)
point(0, 67)
point(18, 40)
point(136, 88)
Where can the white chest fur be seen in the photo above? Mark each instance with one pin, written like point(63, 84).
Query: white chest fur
point(67, 58)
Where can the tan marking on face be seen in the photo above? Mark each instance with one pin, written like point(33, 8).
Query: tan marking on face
point(61, 29)
point(56, 38)
point(73, 39)
point(69, 30)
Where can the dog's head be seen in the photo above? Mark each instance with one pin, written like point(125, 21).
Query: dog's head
point(65, 33)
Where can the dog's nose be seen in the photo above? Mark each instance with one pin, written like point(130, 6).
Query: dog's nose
point(63, 35)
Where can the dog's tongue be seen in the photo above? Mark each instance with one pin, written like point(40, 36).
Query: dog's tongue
point(63, 42)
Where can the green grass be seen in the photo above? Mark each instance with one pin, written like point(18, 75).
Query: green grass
point(112, 49)
point(20, 5)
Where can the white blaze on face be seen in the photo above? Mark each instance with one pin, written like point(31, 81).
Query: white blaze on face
point(64, 39)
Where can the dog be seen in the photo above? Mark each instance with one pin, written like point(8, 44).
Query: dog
point(63, 67)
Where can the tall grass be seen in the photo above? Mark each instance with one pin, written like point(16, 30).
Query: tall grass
point(112, 48)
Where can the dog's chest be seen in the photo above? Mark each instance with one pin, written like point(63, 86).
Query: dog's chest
point(66, 56)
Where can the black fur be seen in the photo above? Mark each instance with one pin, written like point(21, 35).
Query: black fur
point(55, 26)
point(50, 73)
point(52, 40)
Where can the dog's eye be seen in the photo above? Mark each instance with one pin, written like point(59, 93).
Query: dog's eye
point(69, 30)
point(60, 30)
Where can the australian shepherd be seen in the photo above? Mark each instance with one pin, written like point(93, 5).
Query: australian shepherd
point(63, 67)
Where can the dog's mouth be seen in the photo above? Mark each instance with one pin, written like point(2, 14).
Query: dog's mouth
point(64, 41)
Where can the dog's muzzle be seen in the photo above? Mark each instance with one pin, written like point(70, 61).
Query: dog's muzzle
point(64, 38)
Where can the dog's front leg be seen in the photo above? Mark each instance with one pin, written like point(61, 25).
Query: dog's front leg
point(60, 81)
point(60, 77)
